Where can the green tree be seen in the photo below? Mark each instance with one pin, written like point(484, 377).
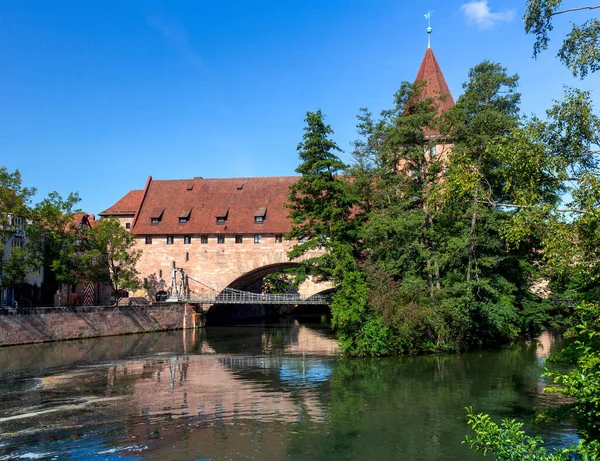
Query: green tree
point(396, 266)
point(55, 241)
point(545, 159)
point(580, 50)
point(15, 213)
point(318, 201)
point(111, 257)
point(430, 268)
point(281, 283)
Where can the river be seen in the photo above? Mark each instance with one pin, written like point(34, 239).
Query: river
point(257, 393)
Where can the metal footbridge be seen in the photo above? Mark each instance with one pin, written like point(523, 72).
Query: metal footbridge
point(214, 294)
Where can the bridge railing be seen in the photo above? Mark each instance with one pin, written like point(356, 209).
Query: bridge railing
point(237, 297)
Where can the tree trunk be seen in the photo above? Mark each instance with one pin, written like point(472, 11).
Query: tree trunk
point(472, 243)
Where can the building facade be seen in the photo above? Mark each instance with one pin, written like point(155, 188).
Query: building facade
point(230, 232)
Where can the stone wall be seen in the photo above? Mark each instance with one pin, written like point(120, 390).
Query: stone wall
point(40, 325)
point(216, 264)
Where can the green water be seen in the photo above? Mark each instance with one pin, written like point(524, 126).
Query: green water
point(259, 393)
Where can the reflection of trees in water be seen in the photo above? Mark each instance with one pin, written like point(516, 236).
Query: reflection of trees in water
point(413, 407)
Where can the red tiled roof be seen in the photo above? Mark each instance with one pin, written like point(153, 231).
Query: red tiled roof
point(81, 219)
point(211, 198)
point(435, 83)
point(128, 205)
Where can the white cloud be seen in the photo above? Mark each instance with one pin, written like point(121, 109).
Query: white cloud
point(478, 13)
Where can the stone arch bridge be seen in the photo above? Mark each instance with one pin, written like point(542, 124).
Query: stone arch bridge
point(213, 267)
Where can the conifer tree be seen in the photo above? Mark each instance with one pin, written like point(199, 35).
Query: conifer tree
point(318, 201)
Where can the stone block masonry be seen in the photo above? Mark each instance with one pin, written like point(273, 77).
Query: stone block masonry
point(56, 324)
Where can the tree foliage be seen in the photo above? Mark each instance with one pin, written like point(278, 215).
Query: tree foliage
point(111, 257)
point(580, 50)
point(318, 204)
point(15, 212)
point(422, 265)
point(549, 160)
point(55, 240)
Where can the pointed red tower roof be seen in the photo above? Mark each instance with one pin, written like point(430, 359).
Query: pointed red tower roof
point(435, 83)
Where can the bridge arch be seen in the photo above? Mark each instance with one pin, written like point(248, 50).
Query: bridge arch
point(247, 279)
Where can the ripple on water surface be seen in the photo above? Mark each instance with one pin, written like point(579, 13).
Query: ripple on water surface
point(268, 393)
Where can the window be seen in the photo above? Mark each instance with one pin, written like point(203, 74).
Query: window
point(156, 215)
point(259, 215)
point(203, 239)
point(433, 151)
point(278, 238)
point(257, 238)
point(221, 215)
point(169, 240)
point(302, 239)
point(160, 273)
point(127, 225)
point(239, 239)
point(220, 238)
point(148, 240)
point(187, 256)
point(187, 239)
point(184, 215)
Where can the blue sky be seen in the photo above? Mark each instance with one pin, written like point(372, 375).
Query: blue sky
point(95, 96)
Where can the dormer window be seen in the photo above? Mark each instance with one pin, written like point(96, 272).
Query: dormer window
point(184, 215)
point(222, 216)
point(156, 215)
point(259, 215)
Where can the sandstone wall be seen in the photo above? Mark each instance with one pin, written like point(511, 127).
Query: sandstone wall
point(57, 324)
point(215, 264)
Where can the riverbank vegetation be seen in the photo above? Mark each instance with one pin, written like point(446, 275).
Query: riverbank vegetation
point(454, 229)
point(47, 240)
point(566, 145)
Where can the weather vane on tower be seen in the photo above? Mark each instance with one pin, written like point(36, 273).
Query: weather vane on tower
point(429, 29)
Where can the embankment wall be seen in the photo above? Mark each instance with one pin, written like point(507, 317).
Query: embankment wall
point(55, 324)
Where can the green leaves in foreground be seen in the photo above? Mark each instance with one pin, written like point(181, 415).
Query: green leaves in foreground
point(581, 386)
point(507, 441)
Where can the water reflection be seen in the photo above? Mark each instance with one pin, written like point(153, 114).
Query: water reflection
point(258, 392)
